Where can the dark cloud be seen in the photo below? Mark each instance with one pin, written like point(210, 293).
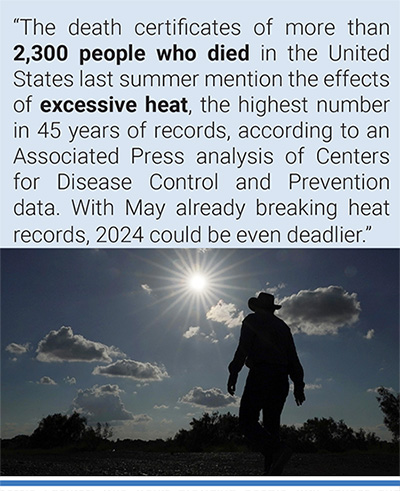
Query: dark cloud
point(64, 345)
point(321, 311)
point(135, 370)
point(101, 403)
point(210, 398)
point(46, 381)
point(70, 380)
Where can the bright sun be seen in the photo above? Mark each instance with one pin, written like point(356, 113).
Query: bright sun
point(192, 281)
point(198, 282)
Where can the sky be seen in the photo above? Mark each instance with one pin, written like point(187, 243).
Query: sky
point(141, 339)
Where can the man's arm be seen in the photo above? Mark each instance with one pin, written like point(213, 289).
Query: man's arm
point(296, 373)
point(242, 351)
point(299, 395)
point(232, 383)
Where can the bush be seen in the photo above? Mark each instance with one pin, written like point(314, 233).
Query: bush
point(209, 432)
point(221, 432)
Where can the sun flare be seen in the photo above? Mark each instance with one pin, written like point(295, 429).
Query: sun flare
point(189, 282)
point(197, 282)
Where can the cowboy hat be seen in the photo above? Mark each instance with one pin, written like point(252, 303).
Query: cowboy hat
point(263, 301)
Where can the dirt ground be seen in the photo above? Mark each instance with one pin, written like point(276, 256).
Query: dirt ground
point(195, 464)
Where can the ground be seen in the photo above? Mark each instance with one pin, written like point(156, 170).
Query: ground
point(195, 464)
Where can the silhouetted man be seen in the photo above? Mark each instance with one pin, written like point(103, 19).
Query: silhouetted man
point(267, 348)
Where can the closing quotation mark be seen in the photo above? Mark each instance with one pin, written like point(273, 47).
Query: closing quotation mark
point(368, 228)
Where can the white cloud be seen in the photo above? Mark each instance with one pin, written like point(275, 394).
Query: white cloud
point(375, 390)
point(192, 331)
point(210, 398)
point(101, 403)
point(321, 311)
point(140, 419)
point(147, 289)
point(166, 421)
point(162, 406)
point(226, 313)
point(64, 345)
point(313, 386)
point(370, 334)
point(229, 336)
point(70, 380)
point(195, 331)
point(272, 289)
point(18, 349)
point(135, 370)
point(46, 381)
point(211, 338)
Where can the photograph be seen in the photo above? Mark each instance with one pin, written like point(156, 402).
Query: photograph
point(200, 362)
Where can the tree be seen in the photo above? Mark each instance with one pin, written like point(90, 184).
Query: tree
point(327, 434)
point(103, 432)
point(389, 405)
point(58, 430)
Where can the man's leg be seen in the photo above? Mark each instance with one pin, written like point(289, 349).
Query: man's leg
point(249, 414)
point(272, 410)
point(251, 405)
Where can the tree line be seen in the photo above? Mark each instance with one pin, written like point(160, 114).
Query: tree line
point(213, 432)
